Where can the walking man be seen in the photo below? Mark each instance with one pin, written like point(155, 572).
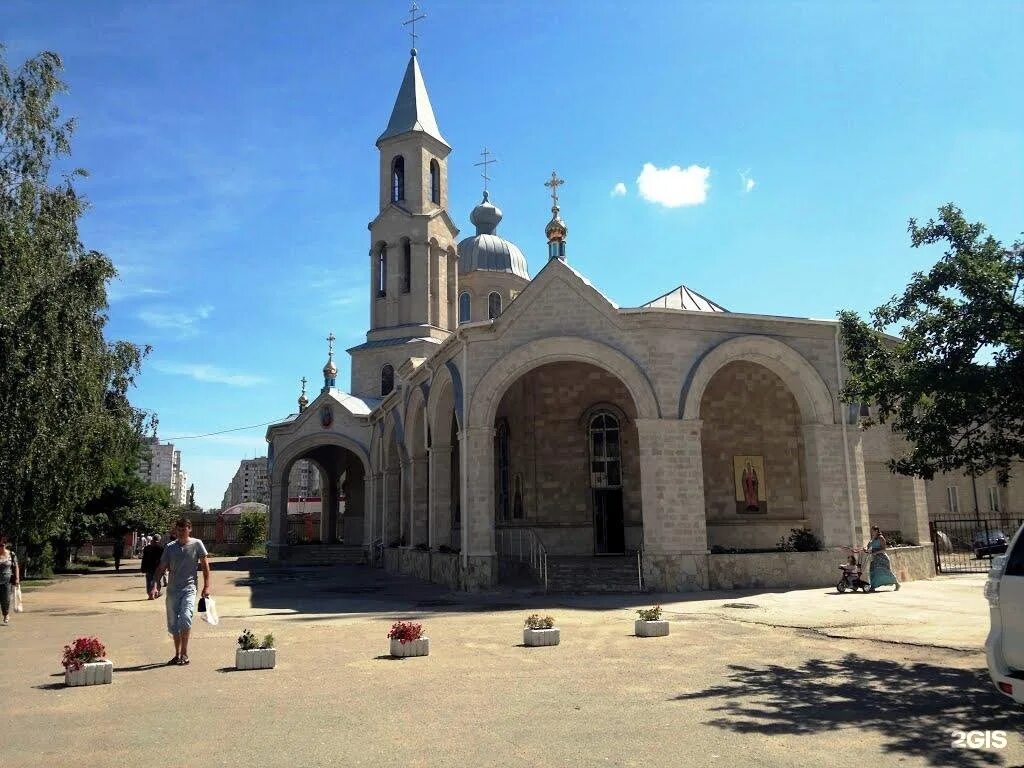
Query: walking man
point(182, 557)
point(151, 554)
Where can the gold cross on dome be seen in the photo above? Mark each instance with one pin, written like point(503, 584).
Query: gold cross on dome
point(413, 18)
point(330, 344)
point(487, 160)
point(303, 380)
point(554, 184)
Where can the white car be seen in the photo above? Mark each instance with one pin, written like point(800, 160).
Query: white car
point(1004, 646)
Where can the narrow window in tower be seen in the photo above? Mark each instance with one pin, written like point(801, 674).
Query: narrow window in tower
point(387, 380)
point(406, 266)
point(435, 182)
point(464, 308)
point(382, 272)
point(398, 179)
point(493, 305)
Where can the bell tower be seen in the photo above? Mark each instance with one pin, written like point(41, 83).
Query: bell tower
point(413, 262)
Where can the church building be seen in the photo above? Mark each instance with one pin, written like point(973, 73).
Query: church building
point(500, 426)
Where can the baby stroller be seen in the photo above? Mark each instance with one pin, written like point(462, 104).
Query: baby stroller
point(851, 578)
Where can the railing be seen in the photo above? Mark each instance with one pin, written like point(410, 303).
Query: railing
point(524, 545)
point(376, 552)
point(640, 566)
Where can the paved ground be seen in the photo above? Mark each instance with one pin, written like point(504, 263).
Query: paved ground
point(803, 678)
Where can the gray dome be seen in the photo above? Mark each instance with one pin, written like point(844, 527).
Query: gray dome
point(486, 250)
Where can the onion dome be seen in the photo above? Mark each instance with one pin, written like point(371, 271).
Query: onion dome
point(486, 250)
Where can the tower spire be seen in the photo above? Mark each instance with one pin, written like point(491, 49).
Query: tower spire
point(303, 401)
point(556, 230)
point(330, 369)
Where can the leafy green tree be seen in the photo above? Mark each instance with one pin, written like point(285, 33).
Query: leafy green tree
point(252, 527)
point(952, 384)
point(67, 424)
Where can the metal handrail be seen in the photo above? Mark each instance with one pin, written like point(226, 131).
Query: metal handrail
point(525, 546)
point(640, 565)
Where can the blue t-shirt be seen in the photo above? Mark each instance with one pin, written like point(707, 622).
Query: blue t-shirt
point(182, 560)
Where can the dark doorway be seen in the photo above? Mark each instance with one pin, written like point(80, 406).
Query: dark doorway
point(609, 530)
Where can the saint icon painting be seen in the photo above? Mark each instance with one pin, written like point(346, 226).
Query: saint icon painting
point(751, 487)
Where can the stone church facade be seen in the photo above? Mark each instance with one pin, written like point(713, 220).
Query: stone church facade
point(493, 413)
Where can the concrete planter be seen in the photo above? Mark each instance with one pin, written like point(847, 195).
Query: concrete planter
point(94, 673)
point(258, 658)
point(402, 650)
point(650, 628)
point(538, 637)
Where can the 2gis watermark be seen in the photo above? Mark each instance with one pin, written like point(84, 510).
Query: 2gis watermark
point(979, 739)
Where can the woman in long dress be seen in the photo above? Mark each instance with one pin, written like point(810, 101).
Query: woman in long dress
point(881, 565)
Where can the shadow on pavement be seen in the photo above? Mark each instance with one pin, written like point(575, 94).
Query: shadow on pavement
point(141, 667)
point(913, 707)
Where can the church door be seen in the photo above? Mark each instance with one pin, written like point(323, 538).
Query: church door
point(606, 485)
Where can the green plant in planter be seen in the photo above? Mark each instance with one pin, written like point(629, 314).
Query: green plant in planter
point(268, 641)
point(535, 621)
point(247, 641)
point(650, 614)
point(800, 540)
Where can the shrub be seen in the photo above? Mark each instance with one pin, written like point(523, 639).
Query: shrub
point(650, 614)
point(41, 565)
point(252, 528)
point(800, 540)
point(894, 538)
point(534, 621)
point(445, 549)
point(84, 650)
point(268, 641)
point(247, 640)
point(405, 632)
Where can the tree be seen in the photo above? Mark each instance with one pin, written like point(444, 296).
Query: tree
point(191, 496)
point(68, 426)
point(952, 384)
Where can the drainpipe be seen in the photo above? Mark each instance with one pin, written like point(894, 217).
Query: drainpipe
point(846, 444)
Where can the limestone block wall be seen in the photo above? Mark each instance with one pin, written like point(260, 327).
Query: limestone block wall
point(747, 410)
point(549, 450)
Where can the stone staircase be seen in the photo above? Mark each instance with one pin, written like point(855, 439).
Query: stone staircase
point(606, 573)
point(325, 554)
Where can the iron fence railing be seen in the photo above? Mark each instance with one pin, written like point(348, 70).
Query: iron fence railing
point(967, 543)
point(525, 546)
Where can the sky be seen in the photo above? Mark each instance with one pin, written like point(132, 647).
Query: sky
point(767, 155)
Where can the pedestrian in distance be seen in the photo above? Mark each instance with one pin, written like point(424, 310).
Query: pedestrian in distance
point(118, 552)
point(182, 558)
point(10, 577)
point(151, 554)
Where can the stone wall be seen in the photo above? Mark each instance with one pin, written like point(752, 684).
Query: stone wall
point(798, 570)
point(549, 448)
point(747, 410)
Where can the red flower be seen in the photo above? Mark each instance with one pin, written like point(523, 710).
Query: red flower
point(85, 650)
point(405, 632)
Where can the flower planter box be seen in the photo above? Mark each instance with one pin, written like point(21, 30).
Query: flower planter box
point(258, 658)
point(650, 628)
point(419, 647)
point(94, 673)
point(538, 637)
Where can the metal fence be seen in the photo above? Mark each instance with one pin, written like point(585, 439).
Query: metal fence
point(968, 544)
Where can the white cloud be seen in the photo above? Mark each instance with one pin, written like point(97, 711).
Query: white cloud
point(674, 187)
point(210, 374)
point(183, 321)
point(619, 190)
point(748, 183)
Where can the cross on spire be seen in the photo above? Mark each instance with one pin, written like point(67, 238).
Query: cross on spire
point(486, 155)
point(554, 184)
point(413, 18)
point(303, 380)
point(330, 345)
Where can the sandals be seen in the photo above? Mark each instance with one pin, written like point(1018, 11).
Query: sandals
point(182, 660)
point(174, 662)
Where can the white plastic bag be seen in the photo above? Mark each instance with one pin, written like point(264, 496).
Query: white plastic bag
point(210, 614)
point(19, 606)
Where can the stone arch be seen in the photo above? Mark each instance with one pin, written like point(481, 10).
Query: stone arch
point(804, 382)
point(488, 392)
point(284, 458)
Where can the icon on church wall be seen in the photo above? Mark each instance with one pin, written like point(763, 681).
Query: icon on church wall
point(326, 416)
point(751, 488)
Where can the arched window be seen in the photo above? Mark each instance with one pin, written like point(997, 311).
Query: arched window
point(501, 455)
point(406, 266)
point(464, 308)
point(605, 458)
point(398, 179)
point(493, 305)
point(382, 271)
point(387, 380)
point(435, 182)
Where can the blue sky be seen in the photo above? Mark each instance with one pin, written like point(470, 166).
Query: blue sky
point(231, 147)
